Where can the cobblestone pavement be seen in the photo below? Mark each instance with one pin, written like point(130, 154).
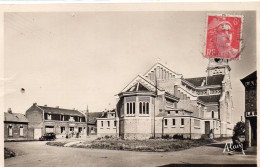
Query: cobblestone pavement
point(30, 154)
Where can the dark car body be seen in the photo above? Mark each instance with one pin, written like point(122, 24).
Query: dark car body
point(48, 136)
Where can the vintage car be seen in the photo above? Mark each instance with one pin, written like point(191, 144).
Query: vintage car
point(48, 136)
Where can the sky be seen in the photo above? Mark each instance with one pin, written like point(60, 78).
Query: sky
point(84, 59)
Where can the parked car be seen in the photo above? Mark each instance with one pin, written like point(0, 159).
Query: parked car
point(48, 136)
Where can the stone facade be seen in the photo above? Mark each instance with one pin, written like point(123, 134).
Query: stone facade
point(250, 83)
point(162, 102)
point(62, 122)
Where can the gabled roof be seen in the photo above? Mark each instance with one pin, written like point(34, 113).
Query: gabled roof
point(15, 117)
point(163, 67)
point(211, 80)
point(53, 110)
point(140, 79)
point(138, 87)
point(250, 77)
point(210, 98)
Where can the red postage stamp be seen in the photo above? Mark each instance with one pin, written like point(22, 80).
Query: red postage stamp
point(224, 34)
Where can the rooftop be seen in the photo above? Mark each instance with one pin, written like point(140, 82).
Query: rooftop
point(15, 117)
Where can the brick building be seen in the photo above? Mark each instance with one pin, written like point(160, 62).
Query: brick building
point(162, 102)
point(15, 126)
point(92, 122)
point(250, 84)
point(108, 124)
point(44, 119)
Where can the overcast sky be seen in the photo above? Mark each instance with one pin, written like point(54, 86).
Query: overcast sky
point(75, 60)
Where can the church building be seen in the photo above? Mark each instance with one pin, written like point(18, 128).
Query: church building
point(162, 102)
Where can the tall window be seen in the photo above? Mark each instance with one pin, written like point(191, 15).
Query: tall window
point(130, 110)
point(108, 123)
point(144, 108)
point(212, 114)
point(173, 122)
point(21, 130)
point(182, 121)
point(114, 123)
point(10, 130)
point(102, 124)
point(140, 107)
point(147, 108)
point(127, 108)
point(165, 122)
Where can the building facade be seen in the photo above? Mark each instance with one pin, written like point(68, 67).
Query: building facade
point(107, 124)
point(15, 126)
point(163, 102)
point(250, 84)
point(63, 122)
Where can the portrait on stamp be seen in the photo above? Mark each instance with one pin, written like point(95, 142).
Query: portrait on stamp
point(223, 36)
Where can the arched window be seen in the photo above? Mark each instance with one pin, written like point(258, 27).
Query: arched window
point(140, 108)
point(212, 114)
point(147, 108)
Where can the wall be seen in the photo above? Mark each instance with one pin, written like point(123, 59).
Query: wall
point(106, 130)
point(16, 131)
point(35, 118)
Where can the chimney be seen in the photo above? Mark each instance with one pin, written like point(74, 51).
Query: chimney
point(34, 104)
point(10, 111)
point(45, 105)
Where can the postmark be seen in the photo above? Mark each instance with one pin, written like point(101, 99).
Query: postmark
point(223, 38)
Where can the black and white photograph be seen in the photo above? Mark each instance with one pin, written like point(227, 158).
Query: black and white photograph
point(129, 84)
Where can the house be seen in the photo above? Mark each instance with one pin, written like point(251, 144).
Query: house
point(92, 122)
point(63, 122)
point(162, 102)
point(108, 124)
point(15, 126)
point(250, 84)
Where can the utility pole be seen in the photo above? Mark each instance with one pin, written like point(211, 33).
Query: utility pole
point(155, 80)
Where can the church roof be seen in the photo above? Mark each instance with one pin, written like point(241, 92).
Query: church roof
point(210, 98)
point(211, 80)
point(15, 117)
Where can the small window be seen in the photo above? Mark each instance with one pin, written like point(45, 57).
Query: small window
point(173, 122)
point(169, 113)
point(108, 123)
point(21, 130)
point(177, 112)
point(112, 115)
point(114, 123)
point(165, 122)
point(102, 124)
point(212, 114)
point(182, 121)
point(10, 130)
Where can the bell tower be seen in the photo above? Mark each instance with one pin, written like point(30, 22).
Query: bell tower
point(218, 66)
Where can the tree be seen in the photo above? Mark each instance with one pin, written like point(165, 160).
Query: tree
point(239, 128)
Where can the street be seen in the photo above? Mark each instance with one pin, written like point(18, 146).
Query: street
point(38, 154)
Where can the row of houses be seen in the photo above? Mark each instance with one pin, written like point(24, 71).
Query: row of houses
point(160, 102)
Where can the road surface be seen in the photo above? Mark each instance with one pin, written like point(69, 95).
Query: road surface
point(31, 154)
